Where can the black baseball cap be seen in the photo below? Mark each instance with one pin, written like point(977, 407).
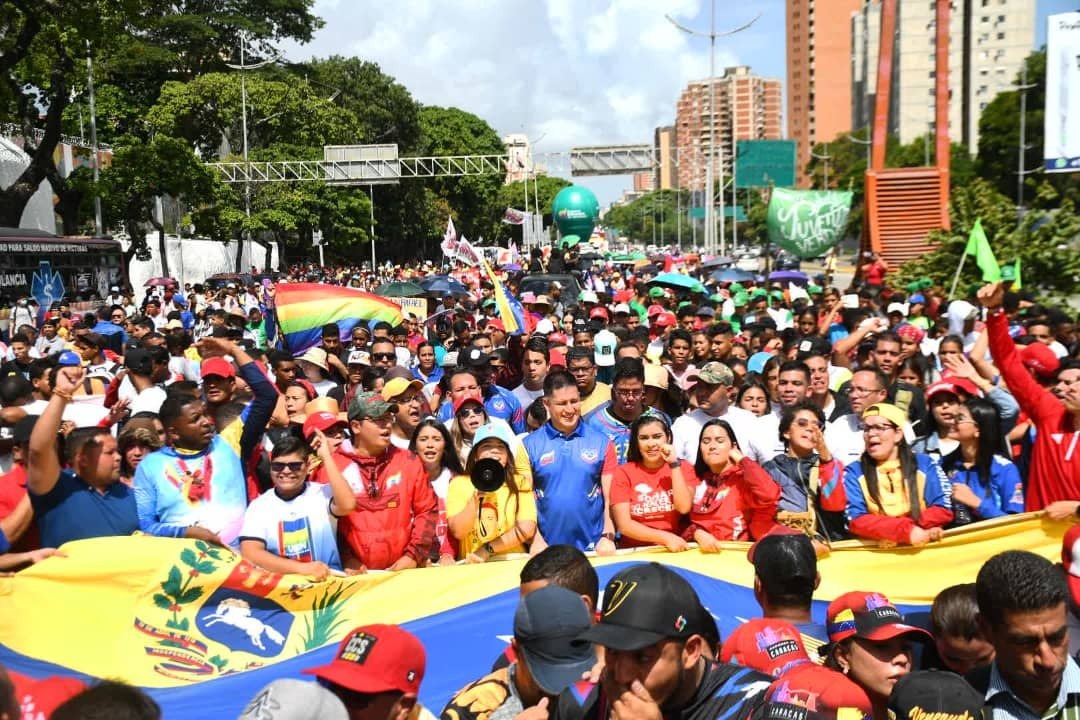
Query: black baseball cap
point(643, 605)
point(784, 558)
point(934, 693)
point(474, 357)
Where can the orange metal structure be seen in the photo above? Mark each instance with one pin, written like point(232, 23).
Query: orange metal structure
point(903, 205)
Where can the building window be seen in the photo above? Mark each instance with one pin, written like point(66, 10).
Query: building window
point(1001, 36)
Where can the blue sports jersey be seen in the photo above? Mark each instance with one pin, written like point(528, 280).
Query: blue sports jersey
point(566, 479)
point(615, 429)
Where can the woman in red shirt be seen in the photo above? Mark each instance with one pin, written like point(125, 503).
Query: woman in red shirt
point(734, 499)
point(646, 504)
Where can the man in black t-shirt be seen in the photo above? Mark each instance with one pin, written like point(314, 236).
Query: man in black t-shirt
point(656, 657)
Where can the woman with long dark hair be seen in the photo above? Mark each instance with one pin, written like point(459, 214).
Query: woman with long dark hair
point(650, 492)
point(894, 495)
point(985, 483)
point(734, 498)
point(431, 443)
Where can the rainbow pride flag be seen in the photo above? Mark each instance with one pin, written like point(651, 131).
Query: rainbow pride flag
point(303, 309)
point(200, 628)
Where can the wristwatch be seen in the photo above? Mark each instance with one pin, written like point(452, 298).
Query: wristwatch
point(608, 536)
point(673, 464)
point(489, 549)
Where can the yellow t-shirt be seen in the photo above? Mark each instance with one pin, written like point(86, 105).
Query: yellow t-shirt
point(499, 511)
point(600, 395)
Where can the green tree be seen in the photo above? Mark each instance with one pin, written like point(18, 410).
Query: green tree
point(540, 194)
point(660, 217)
point(136, 47)
point(999, 142)
point(142, 172)
point(1045, 243)
point(473, 200)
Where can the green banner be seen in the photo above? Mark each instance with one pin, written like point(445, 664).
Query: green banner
point(807, 222)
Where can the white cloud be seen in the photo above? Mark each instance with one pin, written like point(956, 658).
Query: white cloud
point(581, 71)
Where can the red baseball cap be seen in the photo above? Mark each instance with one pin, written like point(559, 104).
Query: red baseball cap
point(558, 357)
point(468, 397)
point(599, 312)
point(766, 644)
point(819, 689)
point(557, 338)
point(1070, 559)
point(321, 421)
point(497, 324)
point(217, 366)
point(953, 384)
point(1040, 359)
point(654, 310)
point(664, 319)
point(867, 615)
point(374, 659)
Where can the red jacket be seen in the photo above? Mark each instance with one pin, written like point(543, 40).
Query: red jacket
point(740, 504)
point(1054, 473)
point(396, 511)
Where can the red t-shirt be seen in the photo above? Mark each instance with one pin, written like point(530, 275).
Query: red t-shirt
point(650, 497)
point(12, 489)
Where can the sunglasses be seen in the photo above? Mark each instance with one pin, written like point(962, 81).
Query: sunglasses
point(471, 410)
point(293, 467)
point(383, 356)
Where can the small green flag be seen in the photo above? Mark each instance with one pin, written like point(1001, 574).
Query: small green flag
point(1017, 284)
point(979, 246)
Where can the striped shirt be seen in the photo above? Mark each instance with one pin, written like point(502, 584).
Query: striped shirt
point(1005, 705)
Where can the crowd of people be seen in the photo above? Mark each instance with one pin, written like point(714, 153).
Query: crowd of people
point(627, 414)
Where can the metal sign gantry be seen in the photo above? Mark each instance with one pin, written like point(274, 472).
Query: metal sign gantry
point(612, 160)
point(360, 171)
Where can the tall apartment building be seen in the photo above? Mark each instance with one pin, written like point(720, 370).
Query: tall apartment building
point(518, 151)
point(644, 182)
point(664, 149)
point(988, 42)
point(748, 107)
point(818, 73)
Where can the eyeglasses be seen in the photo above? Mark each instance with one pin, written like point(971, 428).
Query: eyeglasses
point(963, 421)
point(383, 356)
point(292, 467)
point(409, 399)
point(878, 429)
point(807, 422)
point(630, 393)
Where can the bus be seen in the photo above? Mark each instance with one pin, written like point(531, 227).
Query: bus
point(73, 268)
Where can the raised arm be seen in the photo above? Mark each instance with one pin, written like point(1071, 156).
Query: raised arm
point(43, 469)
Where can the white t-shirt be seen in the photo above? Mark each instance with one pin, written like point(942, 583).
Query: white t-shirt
point(300, 529)
point(324, 386)
point(844, 438)
point(149, 400)
point(83, 414)
point(526, 396)
point(686, 430)
point(765, 442)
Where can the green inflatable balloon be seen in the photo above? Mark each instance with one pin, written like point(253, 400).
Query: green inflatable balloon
point(576, 211)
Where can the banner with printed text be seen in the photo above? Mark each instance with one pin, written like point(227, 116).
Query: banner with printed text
point(807, 222)
point(199, 627)
point(1061, 132)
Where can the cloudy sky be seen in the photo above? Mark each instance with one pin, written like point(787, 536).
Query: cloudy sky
point(565, 72)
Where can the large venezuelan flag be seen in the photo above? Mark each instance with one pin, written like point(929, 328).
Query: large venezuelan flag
point(303, 309)
point(515, 321)
point(202, 629)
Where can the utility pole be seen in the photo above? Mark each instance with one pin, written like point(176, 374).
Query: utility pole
point(710, 191)
point(98, 224)
point(826, 157)
point(1021, 173)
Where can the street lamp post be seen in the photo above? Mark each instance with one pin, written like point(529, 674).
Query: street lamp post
point(710, 205)
point(243, 67)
